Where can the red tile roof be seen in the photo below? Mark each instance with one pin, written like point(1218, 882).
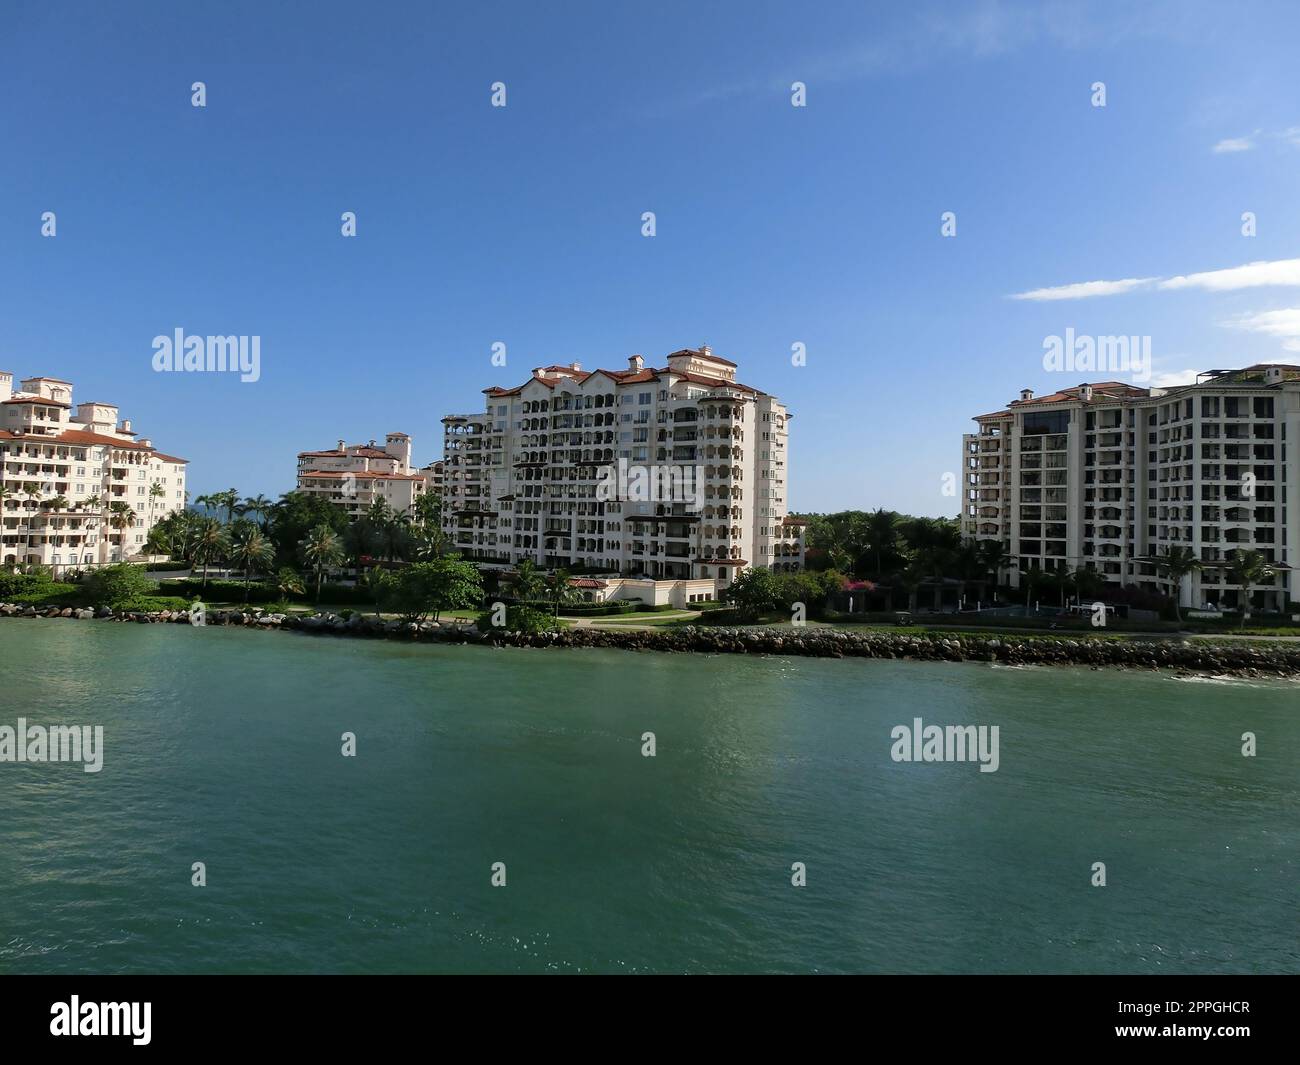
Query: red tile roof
point(84, 436)
point(361, 475)
point(1107, 389)
point(1102, 390)
point(626, 377)
point(698, 354)
point(360, 451)
point(38, 399)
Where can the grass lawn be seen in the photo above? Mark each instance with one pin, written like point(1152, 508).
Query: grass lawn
point(658, 621)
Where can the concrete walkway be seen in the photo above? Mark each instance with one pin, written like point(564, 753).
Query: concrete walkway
point(611, 621)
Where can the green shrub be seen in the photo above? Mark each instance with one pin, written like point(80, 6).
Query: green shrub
point(338, 594)
point(51, 594)
point(113, 586)
point(13, 585)
point(723, 616)
point(518, 619)
point(221, 590)
point(581, 610)
point(166, 567)
point(150, 603)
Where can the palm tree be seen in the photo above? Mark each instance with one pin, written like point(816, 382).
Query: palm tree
point(1088, 583)
point(156, 492)
point(558, 590)
point(321, 549)
point(430, 543)
point(428, 511)
point(258, 505)
point(1248, 569)
point(1058, 580)
point(397, 538)
point(33, 493)
point(158, 542)
point(120, 517)
point(230, 500)
point(840, 559)
point(57, 504)
point(994, 558)
point(881, 534)
point(287, 583)
point(909, 579)
point(252, 550)
point(376, 583)
point(358, 542)
point(1175, 564)
point(209, 543)
point(527, 581)
point(1028, 575)
point(5, 496)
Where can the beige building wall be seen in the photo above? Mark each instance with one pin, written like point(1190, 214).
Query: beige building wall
point(62, 472)
point(530, 476)
point(1108, 476)
point(354, 476)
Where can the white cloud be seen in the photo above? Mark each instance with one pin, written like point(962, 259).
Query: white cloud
point(1174, 378)
point(1235, 144)
point(1283, 324)
point(1084, 289)
point(939, 32)
point(1252, 275)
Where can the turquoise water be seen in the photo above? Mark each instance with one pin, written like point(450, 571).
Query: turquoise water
point(223, 746)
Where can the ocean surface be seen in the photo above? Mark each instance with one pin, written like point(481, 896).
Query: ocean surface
point(223, 746)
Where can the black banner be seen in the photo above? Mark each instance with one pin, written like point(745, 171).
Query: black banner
point(338, 1014)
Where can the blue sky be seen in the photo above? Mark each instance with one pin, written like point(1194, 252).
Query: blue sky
point(776, 225)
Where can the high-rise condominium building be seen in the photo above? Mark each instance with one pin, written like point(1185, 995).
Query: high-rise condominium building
point(676, 473)
point(63, 475)
point(353, 476)
point(1109, 475)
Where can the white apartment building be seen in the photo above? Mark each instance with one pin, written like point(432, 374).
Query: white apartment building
point(555, 470)
point(1106, 475)
point(353, 476)
point(62, 472)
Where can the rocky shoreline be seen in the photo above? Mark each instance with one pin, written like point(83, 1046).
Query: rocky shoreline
point(817, 642)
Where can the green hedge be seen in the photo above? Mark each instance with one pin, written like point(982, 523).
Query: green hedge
point(16, 584)
point(148, 603)
point(263, 592)
point(518, 619)
point(584, 610)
